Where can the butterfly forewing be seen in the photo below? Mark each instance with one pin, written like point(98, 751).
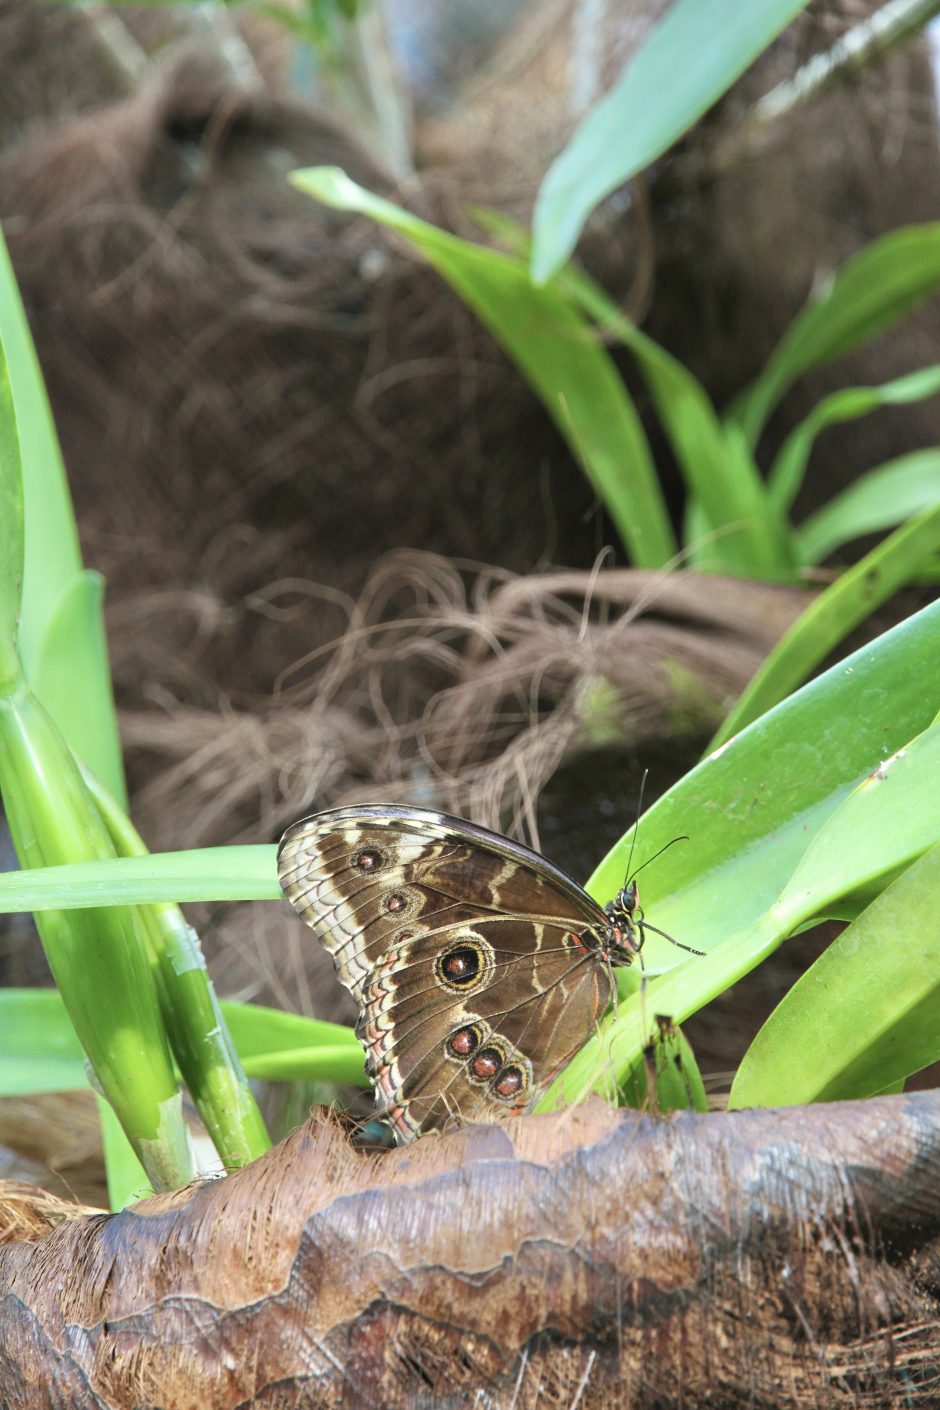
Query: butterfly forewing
point(462, 949)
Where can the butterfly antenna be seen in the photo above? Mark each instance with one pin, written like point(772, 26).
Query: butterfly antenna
point(636, 825)
point(683, 837)
point(645, 925)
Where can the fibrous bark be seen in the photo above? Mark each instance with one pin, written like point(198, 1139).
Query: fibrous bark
point(588, 1258)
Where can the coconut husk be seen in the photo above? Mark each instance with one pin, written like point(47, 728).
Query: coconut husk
point(590, 1258)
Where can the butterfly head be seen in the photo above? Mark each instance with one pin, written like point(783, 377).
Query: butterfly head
point(624, 937)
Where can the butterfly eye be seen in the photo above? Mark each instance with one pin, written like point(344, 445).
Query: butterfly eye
point(461, 966)
point(464, 966)
point(510, 1082)
point(464, 1042)
point(487, 1063)
point(370, 859)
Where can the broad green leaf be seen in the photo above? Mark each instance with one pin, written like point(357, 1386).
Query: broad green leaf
point(72, 678)
point(556, 350)
point(786, 474)
point(260, 1031)
point(39, 1051)
point(691, 58)
point(753, 805)
point(866, 1015)
point(752, 809)
point(876, 288)
point(878, 500)
point(889, 818)
point(841, 860)
point(850, 600)
point(321, 1063)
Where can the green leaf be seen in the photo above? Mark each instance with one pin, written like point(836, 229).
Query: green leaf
point(866, 1015)
point(200, 1042)
point(72, 678)
point(888, 819)
point(851, 599)
point(789, 468)
point(753, 805)
point(97, 955)
point(11, 528)
point(735, 528)
point(127, 1179)
point(556, 350)
point(52, 569)
point(752, 810)
point(876, 288)
point(888, 495)
point(747, 536)
point(39, 1051)
point(242, 873)
point(691, 58)
point(52, 552)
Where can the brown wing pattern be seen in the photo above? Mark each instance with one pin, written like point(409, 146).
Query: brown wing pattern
point(461, 950)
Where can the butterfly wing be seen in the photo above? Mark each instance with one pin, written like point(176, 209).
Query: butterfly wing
point(463, 950)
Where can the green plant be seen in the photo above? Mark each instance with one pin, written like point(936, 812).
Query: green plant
point(827, 806)
point(132, 978)
point(736, 523)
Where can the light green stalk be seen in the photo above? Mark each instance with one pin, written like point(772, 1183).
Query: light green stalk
point(96, 956)
point(198, 1033)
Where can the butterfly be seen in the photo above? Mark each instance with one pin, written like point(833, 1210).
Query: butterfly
point(477, 966)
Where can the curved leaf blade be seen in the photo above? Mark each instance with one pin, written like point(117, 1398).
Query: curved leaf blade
point(893, 492)
point(850, 403)
point(875, 289)
point(556, 350)
point(905, 554)
point(709, 43)
point(885, 966)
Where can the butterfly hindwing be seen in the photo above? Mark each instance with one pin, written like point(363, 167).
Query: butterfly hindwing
point(462, 950)
point(487, 1046)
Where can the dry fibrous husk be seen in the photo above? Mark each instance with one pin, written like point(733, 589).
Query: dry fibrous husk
point(463, 693)
point(780, 1259)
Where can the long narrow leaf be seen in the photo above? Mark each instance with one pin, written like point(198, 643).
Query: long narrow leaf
point(875, 289)
point(39, 1051)
point(738, 529)
point(52, 551)
point(787, 472)
point(715, 461)
point(691, 58)
point(556, 351)
point(904, 555)
point(56, 597)
point(893, 492)
point(241, 873)
point(11, 518)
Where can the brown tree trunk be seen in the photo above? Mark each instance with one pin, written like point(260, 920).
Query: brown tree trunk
point(589, 1258)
